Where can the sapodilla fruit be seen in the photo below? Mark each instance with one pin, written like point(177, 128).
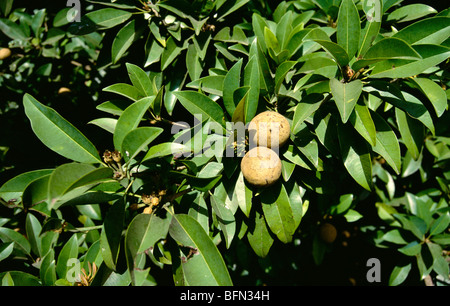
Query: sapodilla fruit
point(327, 232)
point(5, 53)
point(269, 129)
point(261, 167)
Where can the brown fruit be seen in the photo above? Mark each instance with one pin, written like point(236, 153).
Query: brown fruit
point(261, 167)
point(5, 53)
point(328, 232)
point(265, 126)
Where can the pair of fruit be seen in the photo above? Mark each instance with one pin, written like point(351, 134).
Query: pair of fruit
point(261, 165)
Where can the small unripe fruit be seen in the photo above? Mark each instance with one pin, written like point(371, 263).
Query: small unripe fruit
point(261, 167)
point(64, 90)
point(327, 232)
point(269, 129)
point(5, 53)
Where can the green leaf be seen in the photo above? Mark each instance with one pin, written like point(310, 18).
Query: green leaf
point(108, 17)
point(278, 212)
point(403, 100)
point(142, 234)
point(434, 93)
point(201, 106)
point(33, 229)
point(252, 79)
point(64, 179)
point(399, 274)
point(432, 30)
point(242, 195)
point(130, 119)
point(205, 265)
point(345, 95)
point(339, 53)
point(20, 242)
point(387, 143)
point(137, 140)
point(68, 252)
point(411, 249)
point(411, 131)
point(258, 235)
point(14, 188)
point(363, 123)
point(164, 149)
point(58, 134)
point(440, 224)
point(12, 30)
point(281, 73)
point(108, 124)
point(229, 7)
point(125, 90)
point(227, 223)
point(305, 108)
point(348, 27)
point(6, 249)
point(395, 68)
point(410, 12)
point(111, 234)
point(170, 52)
point(373, 25)
point(230, 84)
point(36, 193)
point(387, 48)
point(140, 80)
point(193, 64)
point(356, 157)
point(20, 278)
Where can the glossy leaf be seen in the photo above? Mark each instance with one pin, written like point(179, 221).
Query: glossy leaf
point(348, 27)
point(33, 230)
point(278, 212)
point(387, 143)
point(20, 242)
point(242, 195)
point(434, 93)
point(68, 252)
point(431, 56)
point(125, 90)
point(258, 235)
point(387, 48)
point(14, 188)
point(345, 95)
point(356, 157)
point(306, 107)
point(374, 15)
point(108, 17)
point(141, 236)
point(125, 37)
point(130, 119)
point(363, 123)
point(140, 80)
point(58, 134)
point(339, 53)
point(432, 30)
point(410, 12)
point(252, 79)
point(411, 131)
point(205, 265)
point(137, 140)
point(230, 84)
point(399, 274)
point(225, 218)
point(201, 106)
point(111, 234)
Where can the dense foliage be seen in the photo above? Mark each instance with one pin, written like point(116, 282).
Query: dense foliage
point(132, 102)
